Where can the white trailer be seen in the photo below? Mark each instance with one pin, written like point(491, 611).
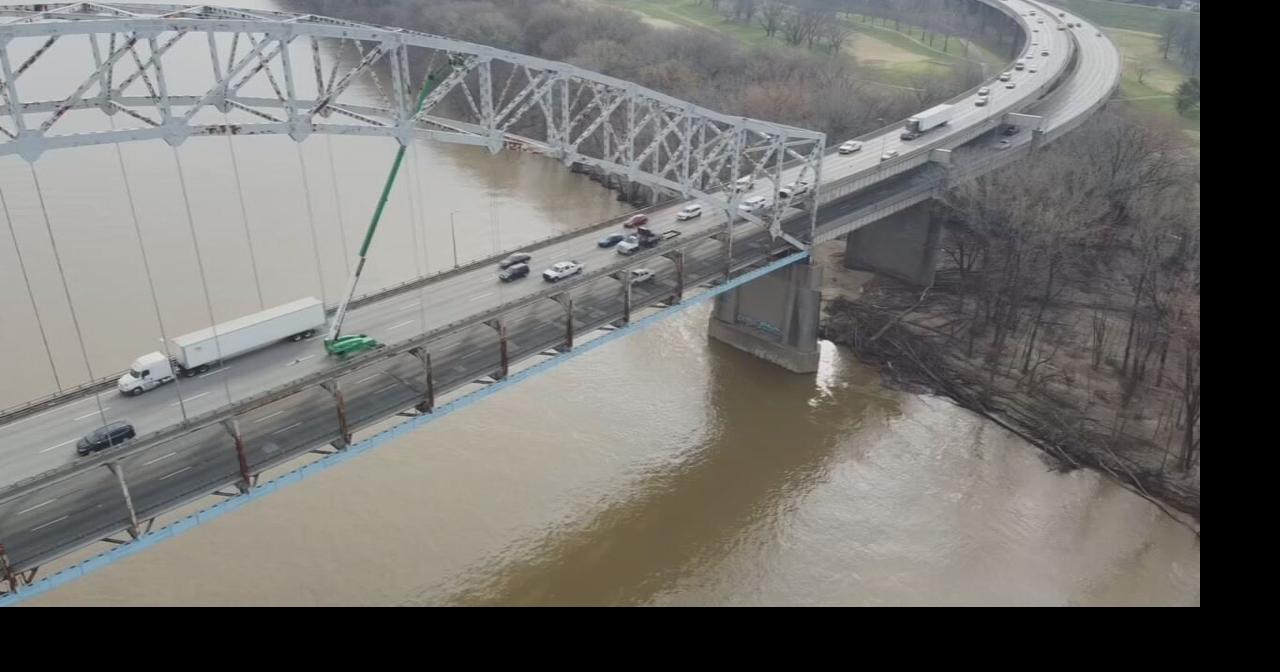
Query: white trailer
point(198, 351)
point(931, 118)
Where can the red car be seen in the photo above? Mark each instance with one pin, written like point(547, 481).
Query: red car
point(636, 221)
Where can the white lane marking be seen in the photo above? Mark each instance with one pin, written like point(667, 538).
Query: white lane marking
point(481, 296)
point(55, 410)
point(90, 415)
point(57, 446)
point(206, 375)
point(299, 360)
point(159, 458)
point(365, 380)
point(58, 520)
point(383, 389)
point(408, 306)
point(285, 429)
point(189, 399)
point(402, 324)
point(268, 417)
point(33, 508)
point(175, 473)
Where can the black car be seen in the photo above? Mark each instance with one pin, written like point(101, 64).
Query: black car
point(611, 240)
point(513, 272)
point(517, 258)
point(908, 135)
point(112, 434)
point(1010, 130)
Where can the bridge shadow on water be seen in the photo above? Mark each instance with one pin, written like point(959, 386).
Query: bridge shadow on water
point(771, 437)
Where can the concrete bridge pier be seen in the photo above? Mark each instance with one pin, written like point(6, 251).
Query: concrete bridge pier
point(774, 318)
point(903, 246)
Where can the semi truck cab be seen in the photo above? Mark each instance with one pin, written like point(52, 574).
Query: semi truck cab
point(148, 371)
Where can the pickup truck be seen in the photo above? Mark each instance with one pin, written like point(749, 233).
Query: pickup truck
point(561, 270)
point(793, 190)
point(644, 238)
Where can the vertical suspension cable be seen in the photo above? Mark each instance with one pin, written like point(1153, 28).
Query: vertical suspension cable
point(415, 170)
point(337, 204)
point(426, 234)
point(66, 289)
point(22, 265)
point(311, 219)
point(204, 282)
point(146, 266)
point(244, 217)
point(413, 228)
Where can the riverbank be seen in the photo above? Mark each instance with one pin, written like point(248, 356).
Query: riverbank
point(1077, 413)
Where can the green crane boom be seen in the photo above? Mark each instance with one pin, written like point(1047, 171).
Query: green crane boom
point(335, 343)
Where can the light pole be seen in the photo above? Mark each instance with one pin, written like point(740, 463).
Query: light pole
point(454, 236)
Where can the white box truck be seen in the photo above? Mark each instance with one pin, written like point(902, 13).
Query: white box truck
point(198, 351)
point(930, 119)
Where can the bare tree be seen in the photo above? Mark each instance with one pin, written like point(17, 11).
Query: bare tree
point(772, 14)
point(837, 32)
point(744, 10)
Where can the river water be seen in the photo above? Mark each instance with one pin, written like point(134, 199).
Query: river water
point(662, 469)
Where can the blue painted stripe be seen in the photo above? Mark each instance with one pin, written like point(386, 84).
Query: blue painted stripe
point(230, 504)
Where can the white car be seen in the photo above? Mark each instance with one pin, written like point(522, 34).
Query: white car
point(980, 102)
point(793, 190)
point(744, 183)
point(1006, 76)
point(888, 155)
point(850, 147)
point(984, 91)
point(1010, 85)
point(689, 212)
point(640, 275)
point(1032, 69)
point(628, 245)
point(561, 270)
point(752, 204)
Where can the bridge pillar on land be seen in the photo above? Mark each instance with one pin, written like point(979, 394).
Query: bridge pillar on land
point(774, 318)
point(903, 246)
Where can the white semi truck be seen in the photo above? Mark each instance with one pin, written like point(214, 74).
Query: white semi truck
point(938, 115)
point(198, 351)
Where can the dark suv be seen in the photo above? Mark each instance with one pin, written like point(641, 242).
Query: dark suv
point(513, 272)
point(113, 434)
point(517, 258)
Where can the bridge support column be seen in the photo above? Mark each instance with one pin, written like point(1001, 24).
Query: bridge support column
point(566, 301)
point(504, 365)
point(246, 480)
point(626, 297)
point(774, 318)
point(677, 258)
point(128, 500)
point(903, 246)
point(428, 403)
point(6, 570)
point(344, 441)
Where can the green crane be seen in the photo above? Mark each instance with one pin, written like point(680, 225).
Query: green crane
point(335, 343)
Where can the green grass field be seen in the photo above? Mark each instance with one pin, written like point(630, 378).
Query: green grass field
point(887, 56)
point(1120, 15)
